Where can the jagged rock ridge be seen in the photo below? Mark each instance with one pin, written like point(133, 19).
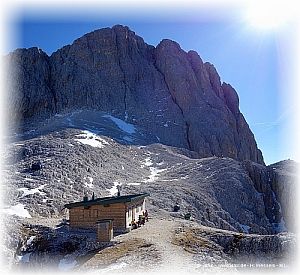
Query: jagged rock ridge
point(169, 92)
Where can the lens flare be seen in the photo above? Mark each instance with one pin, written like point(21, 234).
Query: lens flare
point(269, 15)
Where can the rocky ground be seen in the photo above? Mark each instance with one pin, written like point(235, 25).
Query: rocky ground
point(165, 244)
point(69, 156)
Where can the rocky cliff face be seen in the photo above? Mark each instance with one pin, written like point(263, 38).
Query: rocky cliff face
point(169, 92)
point(284, 181)
point(28, 83)
point(276, 184)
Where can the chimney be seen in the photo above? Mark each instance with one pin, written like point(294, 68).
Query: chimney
point(119, 190)
point(85, 198)
point(93, 196)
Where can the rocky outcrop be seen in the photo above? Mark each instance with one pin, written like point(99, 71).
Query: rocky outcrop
point(240, 248)
point(168, 91)
point(28, 83)
point(214, 125)
point(276, 184)
point(284, 177)
point(113, 70)
point(41, 247)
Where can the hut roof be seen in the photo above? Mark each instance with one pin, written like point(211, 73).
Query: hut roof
point(108, 200)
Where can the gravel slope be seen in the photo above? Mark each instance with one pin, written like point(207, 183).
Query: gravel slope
point(80, 157)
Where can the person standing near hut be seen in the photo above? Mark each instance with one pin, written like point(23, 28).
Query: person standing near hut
point(146, 215)
point(134, 225)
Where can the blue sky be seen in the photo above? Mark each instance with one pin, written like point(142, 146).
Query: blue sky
point(250, 60)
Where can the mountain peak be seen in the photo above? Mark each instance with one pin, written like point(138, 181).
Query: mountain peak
point(119, 27)
point(166, 90)
point(168, 43)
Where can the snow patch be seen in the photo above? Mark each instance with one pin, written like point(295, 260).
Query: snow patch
point(154, 172)
point(147, 162)
point(17, 210)
point(90, 183)
point(29, 241)
point(134, 183)
point(26, 191)
point(124, 126)
point(91, 139)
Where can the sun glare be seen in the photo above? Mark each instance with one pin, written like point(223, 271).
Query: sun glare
point(268, 15)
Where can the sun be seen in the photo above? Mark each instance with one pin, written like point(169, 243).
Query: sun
point(268, 15)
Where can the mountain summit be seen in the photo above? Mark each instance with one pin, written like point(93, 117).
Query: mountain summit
point(168, 92)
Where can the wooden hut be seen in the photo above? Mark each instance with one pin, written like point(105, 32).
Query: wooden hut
point(121, 209)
